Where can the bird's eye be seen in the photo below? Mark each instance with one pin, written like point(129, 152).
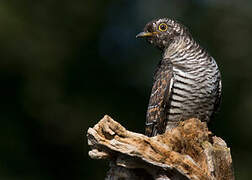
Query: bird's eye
point(162, 27)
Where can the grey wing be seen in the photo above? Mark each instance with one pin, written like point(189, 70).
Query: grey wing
point(159, 101)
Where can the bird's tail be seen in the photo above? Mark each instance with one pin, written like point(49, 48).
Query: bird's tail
point(150, 130)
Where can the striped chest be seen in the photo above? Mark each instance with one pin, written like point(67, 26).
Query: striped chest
point(194, 92)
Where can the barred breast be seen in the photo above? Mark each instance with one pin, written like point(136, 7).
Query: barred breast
point(196, 83)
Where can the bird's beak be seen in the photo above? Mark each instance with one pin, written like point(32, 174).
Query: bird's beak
point(144, 34)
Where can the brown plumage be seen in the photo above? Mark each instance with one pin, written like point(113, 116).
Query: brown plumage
point(187, 81)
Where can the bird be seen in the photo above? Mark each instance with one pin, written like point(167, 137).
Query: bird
point(187, 81)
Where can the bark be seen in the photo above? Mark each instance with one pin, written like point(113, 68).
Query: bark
point(187, 152)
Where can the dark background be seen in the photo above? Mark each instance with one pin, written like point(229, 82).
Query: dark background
point(64, 64)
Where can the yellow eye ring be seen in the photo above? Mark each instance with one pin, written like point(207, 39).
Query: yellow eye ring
point(162, 27)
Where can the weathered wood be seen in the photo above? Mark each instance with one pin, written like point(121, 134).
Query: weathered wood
point(187, 152)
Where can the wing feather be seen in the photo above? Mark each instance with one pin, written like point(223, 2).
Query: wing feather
point(159, 100)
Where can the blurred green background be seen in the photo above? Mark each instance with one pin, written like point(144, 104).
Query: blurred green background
point(64, 64)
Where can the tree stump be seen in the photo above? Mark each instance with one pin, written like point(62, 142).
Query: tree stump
point(187, 152)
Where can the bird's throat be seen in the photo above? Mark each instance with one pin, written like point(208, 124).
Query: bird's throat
point(177, 45)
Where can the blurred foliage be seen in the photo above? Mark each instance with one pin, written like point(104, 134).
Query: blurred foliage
point(64, 64)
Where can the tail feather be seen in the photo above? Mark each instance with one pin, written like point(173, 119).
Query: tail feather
point(150, 130)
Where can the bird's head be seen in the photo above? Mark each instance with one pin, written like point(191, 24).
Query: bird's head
point(162, 32)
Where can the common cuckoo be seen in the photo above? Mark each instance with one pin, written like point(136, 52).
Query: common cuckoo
point(187, 81)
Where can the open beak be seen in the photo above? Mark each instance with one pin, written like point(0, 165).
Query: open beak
point(144, 34)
